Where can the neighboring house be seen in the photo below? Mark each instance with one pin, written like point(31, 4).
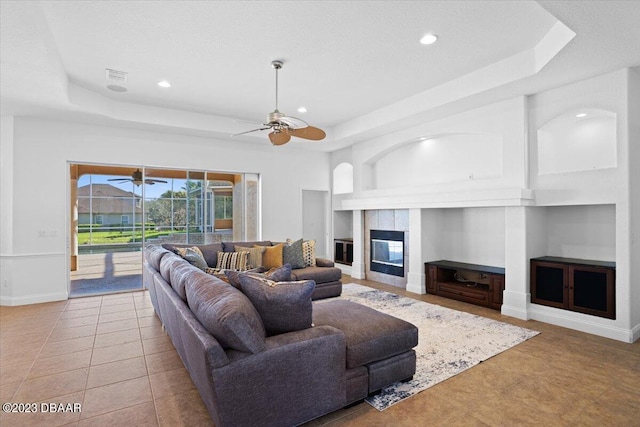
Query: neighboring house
point(104, 204)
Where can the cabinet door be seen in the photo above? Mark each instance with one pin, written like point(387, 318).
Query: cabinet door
point(432, 274)
point(496, 287)
point(549, 284)
point(592, 291)
point(338, 253)
point(349, 253)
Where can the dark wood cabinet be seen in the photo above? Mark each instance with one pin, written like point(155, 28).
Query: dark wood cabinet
point(482, 286)
point(580, 285)
point(343, 251)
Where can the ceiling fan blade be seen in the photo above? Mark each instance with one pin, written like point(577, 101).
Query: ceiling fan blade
point(279, 138)
point(120, 179)
point(252, 130)
point(293, 122)
point(153, 181)
point(310, 132)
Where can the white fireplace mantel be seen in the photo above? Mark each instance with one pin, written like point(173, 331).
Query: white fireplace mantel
point(457, 199)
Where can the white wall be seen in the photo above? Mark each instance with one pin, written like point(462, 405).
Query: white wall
point(42, 150)
point(474, 235)
point(500, 127)
point(632, 161)
point(585, 232)
point(442, 159)
point(608, 93)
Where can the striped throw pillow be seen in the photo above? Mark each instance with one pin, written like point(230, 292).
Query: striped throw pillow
point(233, 260)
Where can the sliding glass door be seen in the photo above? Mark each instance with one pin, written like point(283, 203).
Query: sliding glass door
point(117, 209)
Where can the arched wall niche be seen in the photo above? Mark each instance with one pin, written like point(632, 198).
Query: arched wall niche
point(438, 159)
point(577, 140)
point(343, 178)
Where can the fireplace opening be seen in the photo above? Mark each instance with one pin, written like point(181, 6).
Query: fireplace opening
point(387, 252)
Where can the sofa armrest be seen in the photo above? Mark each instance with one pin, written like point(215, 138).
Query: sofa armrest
point(299, 377)
point(322, 262)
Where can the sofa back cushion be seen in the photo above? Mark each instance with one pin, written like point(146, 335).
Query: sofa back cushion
point(153, 254)
point(283, 306)
point(180, 275)
point(226, 313)
point(231, 246)
point(168, 263)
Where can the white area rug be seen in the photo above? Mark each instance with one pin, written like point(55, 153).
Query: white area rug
point(449, 341)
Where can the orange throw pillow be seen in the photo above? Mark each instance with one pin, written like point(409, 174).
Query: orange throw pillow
point(272, 256)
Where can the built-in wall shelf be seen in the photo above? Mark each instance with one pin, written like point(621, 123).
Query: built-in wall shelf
point(472, 283)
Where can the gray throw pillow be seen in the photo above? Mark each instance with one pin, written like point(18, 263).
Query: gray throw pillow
point(195, 258)
point(283, 306)
point(292, 254)
point(226, 313)
point(279, 274)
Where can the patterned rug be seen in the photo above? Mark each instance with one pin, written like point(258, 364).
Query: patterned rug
point(449, 341)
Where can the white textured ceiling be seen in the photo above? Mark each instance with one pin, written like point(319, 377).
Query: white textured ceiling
point(357, 66)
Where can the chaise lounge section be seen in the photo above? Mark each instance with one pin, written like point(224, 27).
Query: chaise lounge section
point(246, 376)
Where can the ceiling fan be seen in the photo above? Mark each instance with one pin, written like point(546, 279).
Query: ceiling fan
point(283, 127)
point(136, 178)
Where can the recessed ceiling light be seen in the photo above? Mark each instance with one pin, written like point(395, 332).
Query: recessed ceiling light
point(423, 138)
point(164, 83)
point(302, 110)
point(581, 115)
point(429, 39)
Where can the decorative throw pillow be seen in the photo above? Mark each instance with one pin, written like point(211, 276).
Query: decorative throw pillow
point(226, 313)
point(280, 274)
point(272, 256)
point(292, 254)
point(309, 253)
point(232, 260)
point(194, 256)
point(283, 306)
point(255, 255)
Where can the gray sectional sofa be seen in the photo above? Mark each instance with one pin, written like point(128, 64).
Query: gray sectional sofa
point(247, 376)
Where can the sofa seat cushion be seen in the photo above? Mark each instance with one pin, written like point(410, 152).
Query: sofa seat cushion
point(370, 334)
point(317, 274)
point(283, 306)
point(226, 313)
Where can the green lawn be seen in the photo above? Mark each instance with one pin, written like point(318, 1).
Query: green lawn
point(106, 237)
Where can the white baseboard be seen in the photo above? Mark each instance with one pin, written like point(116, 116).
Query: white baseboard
point(544, 314)
point(516, 312)
point(33, 299)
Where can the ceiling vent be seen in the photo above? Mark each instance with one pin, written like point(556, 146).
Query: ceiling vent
point(116, 76)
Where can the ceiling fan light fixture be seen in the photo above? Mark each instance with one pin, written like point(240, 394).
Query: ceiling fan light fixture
point(283, 127)
point(428, 39)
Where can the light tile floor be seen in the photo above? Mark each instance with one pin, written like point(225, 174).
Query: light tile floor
point(111, 355)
